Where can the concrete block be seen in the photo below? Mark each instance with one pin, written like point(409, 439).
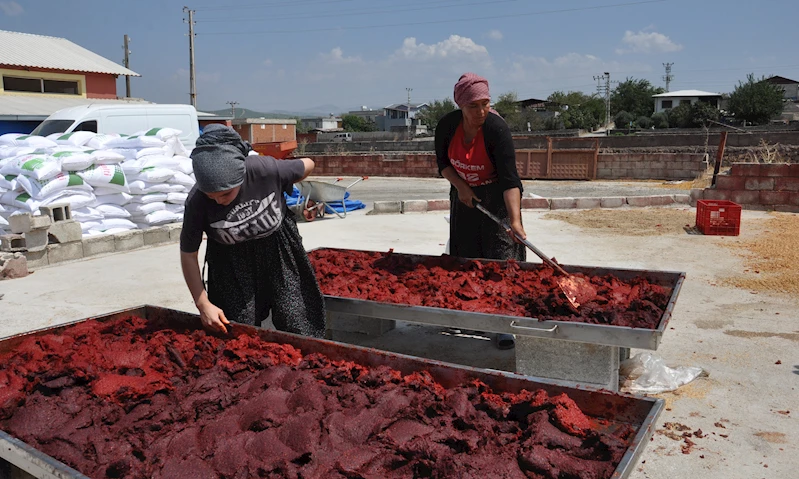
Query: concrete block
point(37, 259)
point(661, 200)
point(36, 240)
point(612, 202)
point(13, 266)
point(100, 244)
point(639, 201)
point(414, 206)
point(697, 194)
point(350, 323)
point(58, 253)
point(12, 243)
point(682, 199)
point(57, 211)
point(760, 184)
point(437, 205)
point(725, 182)
point(774, 197)
point(156, 235)
point(742, 197)
point(387, 207)
point(787, 208)
point(129, 240)
point(781, 184)
point(66, 231)
point(174, 231)
point(588, 203)
point(711, 194)
point(562, 203)
point(535, 204)
point(745, 169)
point(22, 223)
point(776, 169)
point(580, 363)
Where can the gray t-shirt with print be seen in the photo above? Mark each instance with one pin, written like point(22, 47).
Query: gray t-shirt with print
point(257, 211)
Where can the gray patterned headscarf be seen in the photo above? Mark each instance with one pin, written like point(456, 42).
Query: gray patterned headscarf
point(218, 159)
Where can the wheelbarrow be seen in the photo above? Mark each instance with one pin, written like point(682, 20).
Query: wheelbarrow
point(318, 194)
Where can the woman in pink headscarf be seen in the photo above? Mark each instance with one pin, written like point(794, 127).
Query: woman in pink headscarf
point(475, 153)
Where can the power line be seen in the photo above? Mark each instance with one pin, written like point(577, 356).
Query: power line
point(438, 22)
point(233, 108)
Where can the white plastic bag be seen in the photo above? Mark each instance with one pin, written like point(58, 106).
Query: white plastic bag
point(144, 209)
point(16, 139)
point(99, 140)
point(157, 218)
point(162, 161)
point(40, 167)
point(177, 198)
point(106, 157)
point(76, 199)
point(105, 176)
point(118, 199)
point(153, 174)
point(86, 213)
point(184, 165)
point(63, 181)
point(182, 179)
point(8, 182)
point(74, 160)
point(149, 198)
point(110, 223)
point(177, 209)
point(112, 211)
point(136, 142)
point(647, 373)
point(20, 201)
point(76, 138)
point(154, 151)
point(140, 187)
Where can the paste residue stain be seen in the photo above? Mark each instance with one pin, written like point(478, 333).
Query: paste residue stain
point(485, 287)
point(134, 398)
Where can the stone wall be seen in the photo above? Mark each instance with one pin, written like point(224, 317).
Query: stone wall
point(648, 166)
point(759, 186)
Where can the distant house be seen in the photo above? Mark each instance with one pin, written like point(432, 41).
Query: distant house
point(367, 114)
point(789, 87)
point(667, 101)
point(328, 123)
point(536, 104)
point(41, 75)
point(400, 118)
point(265, 130)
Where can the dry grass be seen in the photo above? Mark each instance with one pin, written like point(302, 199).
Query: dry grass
point(772, 257)
point(640, 222)
point(702, 181)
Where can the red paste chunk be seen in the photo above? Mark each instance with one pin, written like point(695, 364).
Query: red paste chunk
point(488, 287)
point(135, 399)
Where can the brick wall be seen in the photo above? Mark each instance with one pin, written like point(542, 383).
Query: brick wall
point(414, 166)
point(650, 166)
point(759, 186)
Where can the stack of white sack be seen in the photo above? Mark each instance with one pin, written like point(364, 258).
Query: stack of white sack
point(112, 183)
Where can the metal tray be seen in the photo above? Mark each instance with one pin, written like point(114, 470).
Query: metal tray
point(638, 412)
point(563, 330)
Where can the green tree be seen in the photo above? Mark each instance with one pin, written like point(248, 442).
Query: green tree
point(434, 112)
point(507, 105)
point(357, 123)
point(756, 101)
point(578, 110)
point(635, 97)
point(644, 122)
point(300, 127)
point(681, 116)
point(660, 120)
point(623, 119)
point(701, 112)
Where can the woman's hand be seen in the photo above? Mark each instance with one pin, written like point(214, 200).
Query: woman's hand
point(467, 196)
point(518, 229)
point(213, 318)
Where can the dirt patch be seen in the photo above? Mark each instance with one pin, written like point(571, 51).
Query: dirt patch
point(638, 222)
point(772, 437)
point(770, 257)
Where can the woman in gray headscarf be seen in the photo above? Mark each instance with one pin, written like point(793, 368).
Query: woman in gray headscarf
point(256, 260)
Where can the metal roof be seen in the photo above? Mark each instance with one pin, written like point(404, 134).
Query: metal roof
point(682, 93)
point(37, 51)
point(404, 106)
point(265, 121)
point(37, 108)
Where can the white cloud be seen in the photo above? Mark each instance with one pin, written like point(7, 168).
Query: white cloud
point(11, 9)
point(336, 56)
point(495, 35)
point(268, 62)
point(454, 46)
point(647, 42)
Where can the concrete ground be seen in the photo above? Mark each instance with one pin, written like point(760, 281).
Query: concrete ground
point(746, 408)
point(386, 189)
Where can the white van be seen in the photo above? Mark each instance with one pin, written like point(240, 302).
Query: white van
point(124, 119)
point(342, 137)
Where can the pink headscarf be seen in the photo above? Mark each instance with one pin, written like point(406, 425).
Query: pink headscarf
point(471, 87)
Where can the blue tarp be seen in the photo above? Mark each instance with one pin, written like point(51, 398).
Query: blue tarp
point(330, 207)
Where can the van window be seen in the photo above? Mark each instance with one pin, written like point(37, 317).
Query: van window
point(90, 125)
point(48, 127)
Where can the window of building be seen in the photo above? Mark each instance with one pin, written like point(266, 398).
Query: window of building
point(665, 104)
point(22, 84)
point(685, 102)
point(40, 85)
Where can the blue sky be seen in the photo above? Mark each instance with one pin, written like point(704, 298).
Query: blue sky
point(310, 54)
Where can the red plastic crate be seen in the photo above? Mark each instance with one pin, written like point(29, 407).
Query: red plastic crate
point(718, 217)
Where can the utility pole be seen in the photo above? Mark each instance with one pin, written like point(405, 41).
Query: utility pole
point(127, 65)
point(668, 78)
point(233, 108)
point(192, 84)
point(603, 88)
point(409, 90)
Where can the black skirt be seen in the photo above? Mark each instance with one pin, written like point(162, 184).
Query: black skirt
point(248, 280)
point(472, 234)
